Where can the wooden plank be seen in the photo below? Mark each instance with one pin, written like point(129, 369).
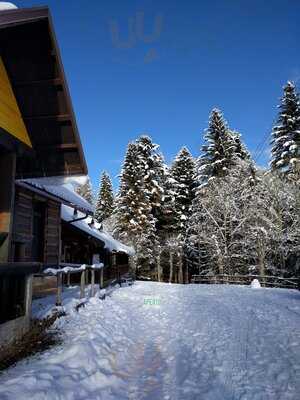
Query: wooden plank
point(52, 232)
point(54, 82)
point(59, 146)
point(7, 190)
point(55, 117)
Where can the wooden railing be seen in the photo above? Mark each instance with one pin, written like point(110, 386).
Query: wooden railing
point(64, 271)
point(268, 281)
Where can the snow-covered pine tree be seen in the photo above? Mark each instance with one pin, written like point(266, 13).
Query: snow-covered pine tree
point(222, 151)
point(152, 168)
point(86, 191)
point(285, 140)
point(155, 179)
point(183, 172)
point(169, 223)
point(135, 222)
point(105, 199)
point(217, 157)
point(240, 150)
point(179, 194)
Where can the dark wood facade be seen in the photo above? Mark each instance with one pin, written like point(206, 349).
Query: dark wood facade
point(31, 56)
point(36, 229)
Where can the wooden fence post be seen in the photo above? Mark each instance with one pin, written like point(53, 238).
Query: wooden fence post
point(82, 284)
point(59, 289)
point(115, 267)
point(92, 282)
point(68, 279)
point(101, 278)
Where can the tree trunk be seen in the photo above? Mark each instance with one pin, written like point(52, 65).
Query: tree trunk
point(261, 261)
point(187, 273)
point(171, 267)
point(158, 268)
point(180, 271)
point(220, 266)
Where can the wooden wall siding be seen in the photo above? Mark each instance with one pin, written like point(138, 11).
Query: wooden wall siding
point(23, 226)
point(23, 215)
point(7, 194)
point(45, 99)
point(10, 117)
point(52, 233)
point(54, 133)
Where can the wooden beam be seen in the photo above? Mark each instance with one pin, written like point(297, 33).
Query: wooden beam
point(7, 197)
point(56, 117)
point(60, 146)
point(53, 82)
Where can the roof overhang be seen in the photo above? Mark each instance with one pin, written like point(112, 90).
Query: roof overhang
point(62, 192)
point(91, 228)
point(31, 57)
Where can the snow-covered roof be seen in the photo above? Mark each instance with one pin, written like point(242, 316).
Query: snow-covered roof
point(4, 5)
point(61, 188)
point(67, 214)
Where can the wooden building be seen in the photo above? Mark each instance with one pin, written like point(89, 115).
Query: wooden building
point(85, 242)
point(43, 222)
point(38, 138)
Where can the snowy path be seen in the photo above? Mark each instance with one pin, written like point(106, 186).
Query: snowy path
point(200, 342)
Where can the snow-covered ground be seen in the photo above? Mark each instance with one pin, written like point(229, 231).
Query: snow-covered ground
point(157, 341)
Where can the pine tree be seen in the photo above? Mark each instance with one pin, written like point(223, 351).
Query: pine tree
point(153, 171)
point(285, 140)
point(217, 153)
point(105, 199)
point(169, 223)
point(135, 221)
point(86, 191)
point(240, 149)
point(223, 149)
point(183, 172)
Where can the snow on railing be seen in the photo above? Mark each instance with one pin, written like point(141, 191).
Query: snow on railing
point(69, 269)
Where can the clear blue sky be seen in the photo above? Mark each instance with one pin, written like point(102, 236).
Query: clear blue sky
point(233, 54)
